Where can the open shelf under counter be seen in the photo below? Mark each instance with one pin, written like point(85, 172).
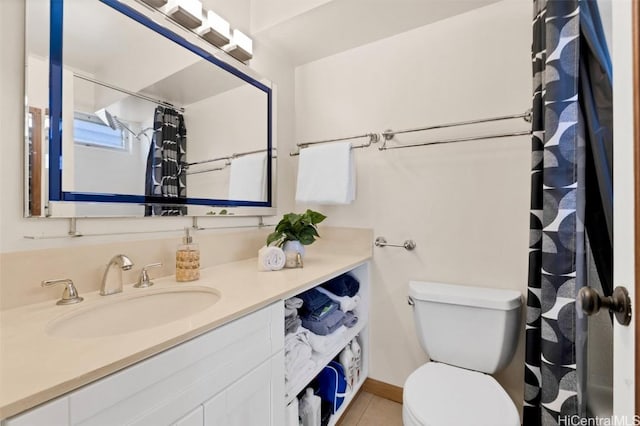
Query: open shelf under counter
point(323, 359)
point(361, 329)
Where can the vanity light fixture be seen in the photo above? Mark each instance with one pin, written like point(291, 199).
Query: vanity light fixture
point(207, 24)
point(186, 12)
point(216, 30)
point(241, 46)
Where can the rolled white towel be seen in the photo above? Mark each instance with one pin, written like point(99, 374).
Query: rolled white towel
point(271, 258)
point(346, 303)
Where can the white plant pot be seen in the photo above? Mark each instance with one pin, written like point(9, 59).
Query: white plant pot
point(291, 250)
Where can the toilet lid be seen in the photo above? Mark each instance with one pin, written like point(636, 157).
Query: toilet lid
point(439, 394)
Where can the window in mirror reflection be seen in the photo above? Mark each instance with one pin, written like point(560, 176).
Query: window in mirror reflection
point(90, 130)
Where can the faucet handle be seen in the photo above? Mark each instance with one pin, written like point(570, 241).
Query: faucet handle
point(143, 279)
point(69, 295)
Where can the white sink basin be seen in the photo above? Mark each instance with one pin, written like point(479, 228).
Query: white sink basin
point(126, 313)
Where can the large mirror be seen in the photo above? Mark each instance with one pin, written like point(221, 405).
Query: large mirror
point(130, 114)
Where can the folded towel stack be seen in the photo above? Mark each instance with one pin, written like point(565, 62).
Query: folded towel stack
point(344, 289)
point(312, 301)
point(331, 305)
point(319, 313)
point(327, 324)
point(291, 318)
point(323, 344)
point(297, 351)
point(297, 358)
point(346, 303)
point(343, 285)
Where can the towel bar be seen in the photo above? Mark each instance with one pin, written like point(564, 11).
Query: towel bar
point(373, 138)
point(407, 245)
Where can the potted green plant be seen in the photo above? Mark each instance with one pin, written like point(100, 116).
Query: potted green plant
point(294, 231)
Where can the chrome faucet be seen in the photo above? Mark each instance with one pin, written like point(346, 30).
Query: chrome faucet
point(122, 263)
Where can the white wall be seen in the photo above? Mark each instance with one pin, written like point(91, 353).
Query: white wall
point(13, 227)
point(219, 127)
point(265, 14)
point(110, 171)
point(466, 205)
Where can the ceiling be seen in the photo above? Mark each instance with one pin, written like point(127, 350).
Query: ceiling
point(338, 25)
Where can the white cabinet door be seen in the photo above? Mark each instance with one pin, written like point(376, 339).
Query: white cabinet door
point(55, 413)
point(194, 418)
point(248, 402)
point(215, 410)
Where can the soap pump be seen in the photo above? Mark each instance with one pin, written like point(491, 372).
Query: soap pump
point(187, 259)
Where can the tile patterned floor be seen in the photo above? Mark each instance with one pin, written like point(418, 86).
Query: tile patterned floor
point(371, 410)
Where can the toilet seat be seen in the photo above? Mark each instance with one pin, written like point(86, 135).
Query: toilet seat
point(438, 394)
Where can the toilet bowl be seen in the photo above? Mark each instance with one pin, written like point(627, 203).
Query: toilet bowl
point(439, 394)
point(469, 333)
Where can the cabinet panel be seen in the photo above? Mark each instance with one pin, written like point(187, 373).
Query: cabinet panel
point(54, 413)
point(194, 418)
point(215, 410)
point(277, 389)
point(245, 403)
point(249, 400)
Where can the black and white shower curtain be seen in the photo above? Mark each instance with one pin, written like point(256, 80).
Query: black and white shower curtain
point(166, 162)
point(571, 192)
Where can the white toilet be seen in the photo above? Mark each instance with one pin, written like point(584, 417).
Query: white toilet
point(469, 333)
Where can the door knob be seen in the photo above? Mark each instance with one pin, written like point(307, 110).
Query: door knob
point(619, 303)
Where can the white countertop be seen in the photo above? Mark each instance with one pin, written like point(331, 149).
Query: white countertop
point(36, 367)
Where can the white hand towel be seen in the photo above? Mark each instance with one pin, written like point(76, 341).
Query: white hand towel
point(271, 258)
point(346, 303)
point(326, 174)
point(301, 376)
point(248, 177)
point(324, 344)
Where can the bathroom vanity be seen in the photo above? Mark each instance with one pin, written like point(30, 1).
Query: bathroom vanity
point(223, 364)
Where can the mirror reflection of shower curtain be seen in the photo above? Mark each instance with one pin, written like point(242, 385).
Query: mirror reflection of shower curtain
point(166, 162)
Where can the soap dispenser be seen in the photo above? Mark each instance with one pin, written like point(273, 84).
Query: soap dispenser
point(187, 259)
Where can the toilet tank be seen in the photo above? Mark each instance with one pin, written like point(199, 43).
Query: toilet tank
point(470, 327)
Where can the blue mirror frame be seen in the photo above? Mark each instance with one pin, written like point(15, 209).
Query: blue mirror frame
point(56, 192)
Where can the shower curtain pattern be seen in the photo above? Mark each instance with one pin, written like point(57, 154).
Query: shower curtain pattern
point(166, 161)
point(556, 219)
